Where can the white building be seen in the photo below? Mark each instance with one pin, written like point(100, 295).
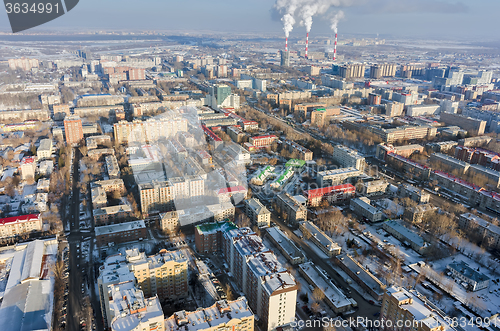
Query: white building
point(129, 310)
point(348, 158)
point(257, 212)
point(45, 150)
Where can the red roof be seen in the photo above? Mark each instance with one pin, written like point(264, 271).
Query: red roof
point(233, 189)
point(319, 192)
point(22, 218)
point(27, 160)
point(264, 137)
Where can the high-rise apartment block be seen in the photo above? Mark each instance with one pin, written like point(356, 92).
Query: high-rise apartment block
point(73, 129)
point(164, 274)
point(352, 71)
point(285, 58)
point(23, 63)
point(383, 70)
point(156, 196)
point(270, 289)
point(150, 130)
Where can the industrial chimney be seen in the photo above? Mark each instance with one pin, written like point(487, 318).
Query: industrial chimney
point(286, 44)
point(335, 48)
point(307, 43)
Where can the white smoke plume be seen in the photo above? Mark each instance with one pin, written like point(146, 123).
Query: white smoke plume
point(307, 9)
point(335, 20)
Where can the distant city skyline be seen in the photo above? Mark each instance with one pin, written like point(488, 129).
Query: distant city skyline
point(399, 18)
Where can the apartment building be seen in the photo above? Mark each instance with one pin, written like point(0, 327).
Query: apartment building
point(169, 221)
point(409, 167)
point(405, 151)
point(73, 129)
point(112, 166)
point(475, 126)
point(490, 232)
point(112, 214)
point(414, 193)
point(257, 212)
point(362, 207)
point(400, 304)
point(18, 225)
point(164, 275)
point(303, 153)
point(27, 167)
point(270, 289)
point(442, 161)
point(157, 196)
point(262, 141)
point(208, 236)
point(332, 194)
point(120, 233)
point(127, 306)
point(44, 150)
point(110, 185)
point(292, 208)
point(285, 245)
point(336, 176)
point(475, 280)
point(374, 187)
point(319, 238)
point(348, 158)
point(223, 315)
point(150, 130)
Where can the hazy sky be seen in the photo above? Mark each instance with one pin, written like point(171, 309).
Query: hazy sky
point(471, 19)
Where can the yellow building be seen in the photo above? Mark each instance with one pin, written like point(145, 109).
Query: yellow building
point(164, 274)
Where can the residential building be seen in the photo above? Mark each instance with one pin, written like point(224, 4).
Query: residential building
point(361, 275)
point(405, 235)
point(303, 153)
point(348, 158)
point(169, 222)
point(164, 275)
point(262, 141)
point(112, 167)
point(150, 130)
point(334, 297)
point(120, 233)
point(380, 70)
point(270, 289)
point(336, 176)
point(286, 246)
point(208, 236)
point(400, 304)
point(487, 230)
point(257, 212)
point(445, 162)
point(19, 225)
point(475, 126)
point(285, 58)
point(417, 214)
point(110, 185)
point(112, 214)
point(156, 196)
point(475, 280)
point(410, 168)
point(93, 141)
point(73, 129)
point(28, 167)
point(348, 71)
point(422, 110)
point(414, 193)
point(292, 208)
point(126, 307)
point(332, 194)
point(362, 207)
point(406, 151)
point(322, 116)
point(374, 187)
point(44, 150)
point(223, 315)
point(319, 238)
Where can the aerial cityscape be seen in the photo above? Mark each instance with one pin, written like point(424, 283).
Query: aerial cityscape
point(306, 178)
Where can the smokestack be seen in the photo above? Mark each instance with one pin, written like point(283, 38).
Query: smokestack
point(307, 43)
point(286, 44)
point(335, 48)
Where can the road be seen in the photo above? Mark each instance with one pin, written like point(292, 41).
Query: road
point(81, 271)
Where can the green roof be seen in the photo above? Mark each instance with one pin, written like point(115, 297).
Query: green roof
point(295, 163)
point(207, 228)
